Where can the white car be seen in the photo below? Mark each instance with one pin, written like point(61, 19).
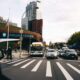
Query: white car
point(52, 53)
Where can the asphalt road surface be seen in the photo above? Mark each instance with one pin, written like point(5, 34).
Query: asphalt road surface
point(40, 68)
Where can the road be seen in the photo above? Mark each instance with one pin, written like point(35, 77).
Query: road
point(39, 68)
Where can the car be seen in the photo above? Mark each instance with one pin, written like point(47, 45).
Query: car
point(0, 54)
point(61, 53)
point(70, 54)
point(78, 52)
point(51, 53)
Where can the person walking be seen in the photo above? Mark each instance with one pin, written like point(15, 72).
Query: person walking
point(9, 53)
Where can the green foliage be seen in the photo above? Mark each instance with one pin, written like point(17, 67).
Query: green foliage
point(2, 25)
point(75, 38)
point(51, 45)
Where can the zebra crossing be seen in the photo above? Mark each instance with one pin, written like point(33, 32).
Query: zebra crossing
point(48, 70)
point(65, 73)
point(24, 63)
point(37, 66)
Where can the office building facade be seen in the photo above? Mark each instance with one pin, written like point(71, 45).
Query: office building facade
point(33, 18)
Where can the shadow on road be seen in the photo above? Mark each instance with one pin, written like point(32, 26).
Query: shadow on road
point(3, 77)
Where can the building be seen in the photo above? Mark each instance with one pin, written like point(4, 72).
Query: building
point(13, 24)
point(14, 33)
point(33, 19)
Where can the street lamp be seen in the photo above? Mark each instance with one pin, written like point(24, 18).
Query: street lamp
point(21, 32)
point(8, 30)
point(7, 34)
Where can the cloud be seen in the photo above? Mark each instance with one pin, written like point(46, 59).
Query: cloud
point(61, 18)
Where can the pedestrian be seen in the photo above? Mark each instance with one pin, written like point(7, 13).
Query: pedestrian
point(9, 53)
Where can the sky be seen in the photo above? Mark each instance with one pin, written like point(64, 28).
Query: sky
point(61, 18)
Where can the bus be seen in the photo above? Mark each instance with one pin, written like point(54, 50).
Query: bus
point(36, 49)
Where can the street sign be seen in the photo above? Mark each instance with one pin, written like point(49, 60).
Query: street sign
point(21, 31)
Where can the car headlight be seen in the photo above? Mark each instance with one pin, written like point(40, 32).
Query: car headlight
point(55, 54)
point(41, 53)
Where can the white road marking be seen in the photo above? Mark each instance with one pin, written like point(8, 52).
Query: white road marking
point(37, 66)
point(28, 64)
point(5, 61)
point(14, 61)
point(21, 62)
point(77, 61)
point(74, 68)
point(65, 73)
point(48, 70)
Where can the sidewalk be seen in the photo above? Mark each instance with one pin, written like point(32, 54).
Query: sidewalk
point(16, 55)
point(19, 54)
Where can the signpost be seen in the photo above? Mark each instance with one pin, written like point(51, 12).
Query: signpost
point(21, 32)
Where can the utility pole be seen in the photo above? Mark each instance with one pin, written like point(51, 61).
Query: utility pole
point(8, 30)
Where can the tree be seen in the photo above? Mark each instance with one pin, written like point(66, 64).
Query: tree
point(50, 44)
point(74, 39)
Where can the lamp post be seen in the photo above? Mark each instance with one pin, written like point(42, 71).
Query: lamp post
point(21, 32)
point(8, 30)
point(7, 34)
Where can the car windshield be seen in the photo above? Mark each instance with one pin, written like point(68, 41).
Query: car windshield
point(71, 51)
point(36, 48)
point(51, 50)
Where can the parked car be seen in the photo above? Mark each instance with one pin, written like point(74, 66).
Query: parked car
point(70, 54)
point(0, 54)
point(51, 53)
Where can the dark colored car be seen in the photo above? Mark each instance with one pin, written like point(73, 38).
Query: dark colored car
point(70, 54)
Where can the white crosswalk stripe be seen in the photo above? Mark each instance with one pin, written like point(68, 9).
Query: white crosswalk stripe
point(21, 62)
point(5, 61)
point(37, 66)
point(48, 73)
point(24, 66)
point(48, 70)
point(15, 61)
point(74, 68)
point(65, 73)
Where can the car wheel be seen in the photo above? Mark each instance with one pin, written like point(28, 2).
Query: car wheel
point(76, 58)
